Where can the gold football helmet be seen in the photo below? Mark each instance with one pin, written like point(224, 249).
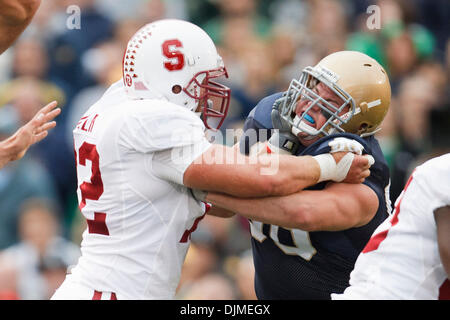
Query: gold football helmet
point(360, 81)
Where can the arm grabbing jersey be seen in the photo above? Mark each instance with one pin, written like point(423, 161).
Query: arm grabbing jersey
point(284, 258)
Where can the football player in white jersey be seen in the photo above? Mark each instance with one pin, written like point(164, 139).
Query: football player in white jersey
point(141, 149)
point(408, 256)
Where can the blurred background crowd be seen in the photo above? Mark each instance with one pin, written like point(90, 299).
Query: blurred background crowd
point(264, 43)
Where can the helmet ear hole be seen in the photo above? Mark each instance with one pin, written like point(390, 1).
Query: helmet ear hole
point(176, 89)
point(363, 128)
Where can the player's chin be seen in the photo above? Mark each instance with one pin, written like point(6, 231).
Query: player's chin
point(306, 139)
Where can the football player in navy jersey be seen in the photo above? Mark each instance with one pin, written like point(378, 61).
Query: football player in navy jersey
point(305, 244)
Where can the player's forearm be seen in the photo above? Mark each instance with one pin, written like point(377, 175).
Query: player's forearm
point(339, 206)
point(3, 156)
point(271, 210)
point(220, 212)
point(274, 175)
point(289, 173)
point(224, 170)
point(6, 152)
point(15, 15)
point(295, 174)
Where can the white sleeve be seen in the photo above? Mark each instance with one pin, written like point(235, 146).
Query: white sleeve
point(171, 164)
point(434, 177)
point(175, 136)
point(167, 126)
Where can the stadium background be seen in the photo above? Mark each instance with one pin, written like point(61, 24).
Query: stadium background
point(264, 44)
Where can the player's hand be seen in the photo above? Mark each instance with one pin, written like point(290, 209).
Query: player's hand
point(358, 166)
point(345, 162)
point(282, 140)
point(32, 132)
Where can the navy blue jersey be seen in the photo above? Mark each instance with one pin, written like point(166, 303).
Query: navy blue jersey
point(295, 264)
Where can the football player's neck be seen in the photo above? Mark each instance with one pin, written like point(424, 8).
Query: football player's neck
point(308, 140)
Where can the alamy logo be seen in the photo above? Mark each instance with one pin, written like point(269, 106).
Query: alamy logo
point(374, 20)
point(74, 19)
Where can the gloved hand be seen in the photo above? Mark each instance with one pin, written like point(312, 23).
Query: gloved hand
point(282, 140)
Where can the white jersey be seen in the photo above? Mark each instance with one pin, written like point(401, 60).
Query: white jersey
point(131, 156)
point(401, 260)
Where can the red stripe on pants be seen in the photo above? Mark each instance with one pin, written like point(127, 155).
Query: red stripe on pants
point(98, 295)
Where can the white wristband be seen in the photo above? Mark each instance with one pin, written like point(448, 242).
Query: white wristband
point(329, 170)
point(327, 166)
point(343, 166)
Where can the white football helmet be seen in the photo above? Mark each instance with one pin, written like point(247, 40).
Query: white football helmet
point(177, 61)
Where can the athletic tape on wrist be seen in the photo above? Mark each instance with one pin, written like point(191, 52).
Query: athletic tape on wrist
point(327, 166)
point(343, 166)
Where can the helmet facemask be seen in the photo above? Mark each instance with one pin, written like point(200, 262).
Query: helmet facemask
point(213, 98)
point(304, 89)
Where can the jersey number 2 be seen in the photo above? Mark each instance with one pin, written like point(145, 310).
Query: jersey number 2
point(94, 189)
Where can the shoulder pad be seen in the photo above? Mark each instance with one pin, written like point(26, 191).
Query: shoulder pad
point(261, 113)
